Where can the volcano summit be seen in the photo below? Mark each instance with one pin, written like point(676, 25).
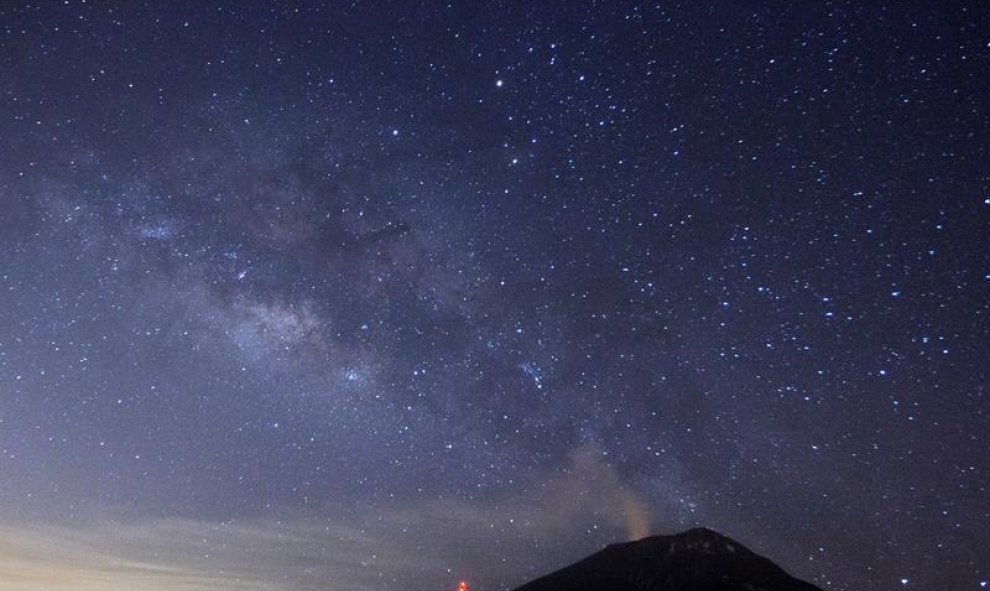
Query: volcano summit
point(695, 560)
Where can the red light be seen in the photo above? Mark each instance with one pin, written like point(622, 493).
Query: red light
point(463, 586)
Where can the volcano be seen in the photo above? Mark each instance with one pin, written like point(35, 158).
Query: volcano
point(695, 560)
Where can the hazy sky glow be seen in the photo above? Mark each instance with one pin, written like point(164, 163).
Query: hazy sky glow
point(430, 542)
point(386, 295)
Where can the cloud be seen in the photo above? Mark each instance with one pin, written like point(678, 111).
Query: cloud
point(56, 559)
point(429, 544)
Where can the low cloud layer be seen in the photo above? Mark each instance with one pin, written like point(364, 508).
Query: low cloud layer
point(56, 559)
point(426, 545)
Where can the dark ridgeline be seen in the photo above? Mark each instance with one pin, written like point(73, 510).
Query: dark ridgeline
point(696, 560)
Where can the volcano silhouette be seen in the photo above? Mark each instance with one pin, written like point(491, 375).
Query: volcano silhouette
point(695, 560)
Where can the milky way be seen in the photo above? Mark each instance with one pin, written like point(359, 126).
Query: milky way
point(385, 295)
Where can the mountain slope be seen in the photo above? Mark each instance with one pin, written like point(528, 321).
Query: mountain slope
point(696, 560)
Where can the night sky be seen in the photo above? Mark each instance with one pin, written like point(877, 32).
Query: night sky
point(386, 295)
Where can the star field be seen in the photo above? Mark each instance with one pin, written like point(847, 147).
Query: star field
point(388, 295)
